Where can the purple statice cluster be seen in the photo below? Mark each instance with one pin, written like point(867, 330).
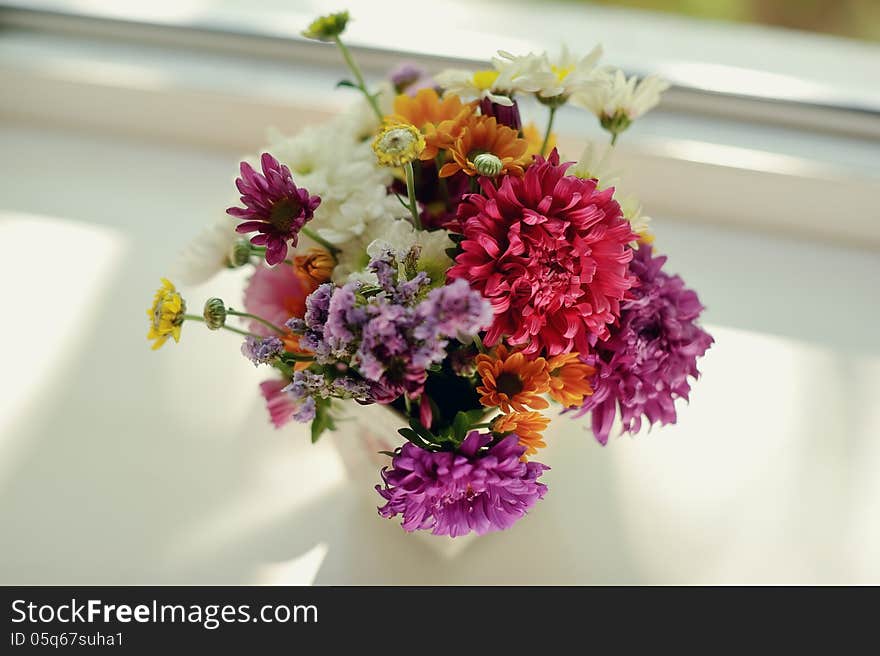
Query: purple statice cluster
point(646, 363)
point(473, 489)
point(390, 333)
point(309, 385)
point(262, 350)
point(409, 78)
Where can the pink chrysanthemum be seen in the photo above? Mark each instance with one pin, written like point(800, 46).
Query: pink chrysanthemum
point(273, 206)
point(550, 252)
point(280, 403)
point(275, 294)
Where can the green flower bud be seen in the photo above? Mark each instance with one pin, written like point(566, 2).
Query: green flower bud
point(239, 253)
point(488, 164)
point(616, 123)
point(215, 313)
point(327, 28)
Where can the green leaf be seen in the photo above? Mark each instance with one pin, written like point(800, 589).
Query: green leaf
point(460, 426)
point(413, 437)
point(347, 83)
point(323, 421)
point(422, 432)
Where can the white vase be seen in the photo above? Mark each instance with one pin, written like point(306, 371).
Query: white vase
point(360, 435)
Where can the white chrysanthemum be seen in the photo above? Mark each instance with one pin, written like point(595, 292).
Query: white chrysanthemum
point(399, 236)
point(476, 84)
point(207, 254)
point(359, 122)
point(619, 96)
point(546, 78)
point(595, 163)
point(332, 162)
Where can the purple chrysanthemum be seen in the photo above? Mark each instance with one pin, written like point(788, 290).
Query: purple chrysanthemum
point(473, 489)
point(273, 206)
point(645, 364)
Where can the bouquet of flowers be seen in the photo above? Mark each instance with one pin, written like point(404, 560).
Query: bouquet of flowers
point(429, 252)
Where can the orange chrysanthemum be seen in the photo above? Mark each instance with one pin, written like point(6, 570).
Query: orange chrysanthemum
point(510, 380)
point(440, 120)
point(483, 134)
point(535, 138)
point(528, 426)
point(569, 379)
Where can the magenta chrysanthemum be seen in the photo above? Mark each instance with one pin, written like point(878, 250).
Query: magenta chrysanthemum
point(645, 364)
point(273, 206)
point(550, 252)
point(474, 489)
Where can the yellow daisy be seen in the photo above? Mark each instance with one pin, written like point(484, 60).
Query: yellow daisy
point(166, 315)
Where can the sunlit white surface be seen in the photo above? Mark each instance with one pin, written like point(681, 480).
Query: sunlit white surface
point(73, 293)
point(135, 466)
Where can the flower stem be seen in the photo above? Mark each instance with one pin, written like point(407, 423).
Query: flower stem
point(549, 129)
point(479, 342)
point(614, 136)
point(315, 237)
point(486, 425)
point(263, 321)
point(346, 55)
point(411, 190)
point(195, 317)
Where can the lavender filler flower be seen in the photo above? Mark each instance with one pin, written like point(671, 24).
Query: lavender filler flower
point(386, 334)
point(262, 350)
point(474, 489)
point(645, 364)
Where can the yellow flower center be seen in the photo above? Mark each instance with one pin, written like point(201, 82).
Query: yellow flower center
point(561, 71)
point(484, 80)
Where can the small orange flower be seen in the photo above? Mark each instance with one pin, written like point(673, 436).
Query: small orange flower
point(291, 345)
point(528, 426)
point(512, 381)
point(440, 120)
point(535, 139)
point(569, 379)
point(483, 135)
point(315, 267)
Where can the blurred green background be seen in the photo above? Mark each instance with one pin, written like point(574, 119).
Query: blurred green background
point(853, 18)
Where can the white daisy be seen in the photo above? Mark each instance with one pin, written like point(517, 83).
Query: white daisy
point(546, 78)
point(618, 98)
point(207, 254)
point(475, 84)
point(595, 163)
point(632, 212)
